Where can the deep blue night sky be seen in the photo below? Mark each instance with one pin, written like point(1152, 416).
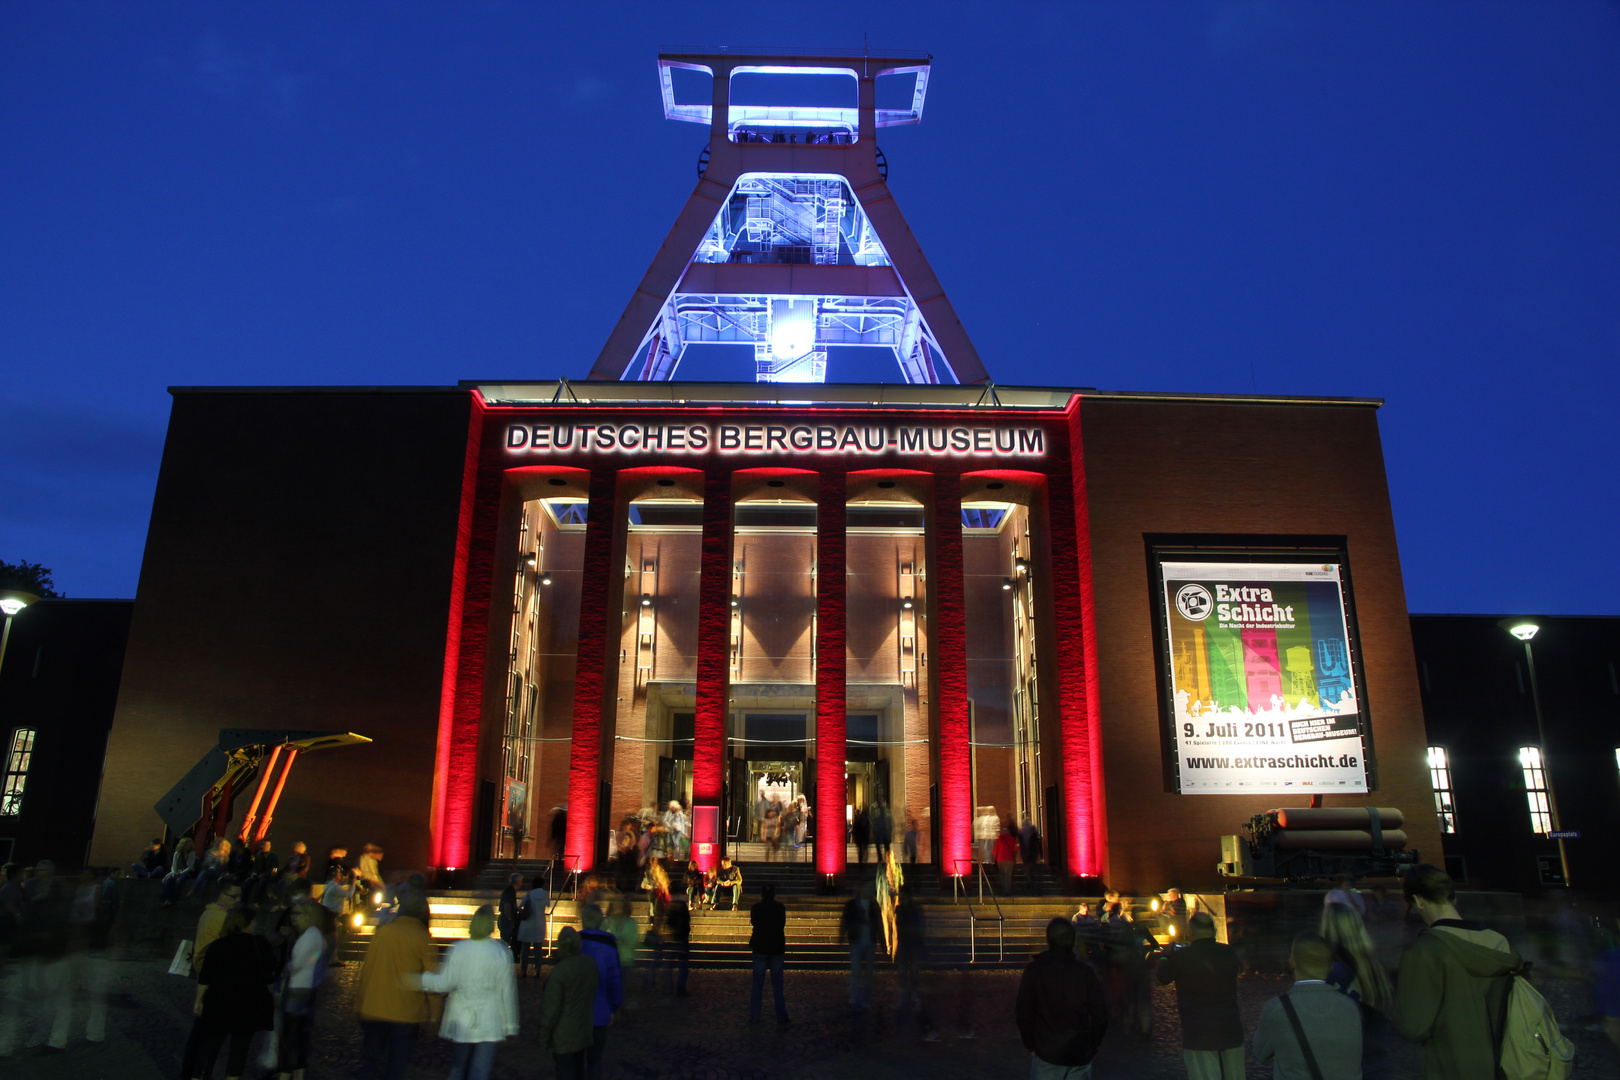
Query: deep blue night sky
point(1418, 202)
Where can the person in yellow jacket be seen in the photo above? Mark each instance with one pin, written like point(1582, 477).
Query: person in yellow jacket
point(391, 1003)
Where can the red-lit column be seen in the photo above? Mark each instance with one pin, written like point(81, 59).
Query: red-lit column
point(831, 670)
point(461, 695)
point(591, 662)
point(714, 647)
point(1085, 831)
point(949, 634)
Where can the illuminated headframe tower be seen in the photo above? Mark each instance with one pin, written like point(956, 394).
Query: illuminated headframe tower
point(791, 240)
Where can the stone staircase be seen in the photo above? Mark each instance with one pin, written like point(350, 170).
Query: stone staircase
point(959, 931)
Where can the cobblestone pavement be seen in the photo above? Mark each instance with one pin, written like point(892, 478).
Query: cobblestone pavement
point(706, 1036)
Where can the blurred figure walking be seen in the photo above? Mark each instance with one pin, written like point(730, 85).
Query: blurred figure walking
point(566, 1009)
point(482, 1008)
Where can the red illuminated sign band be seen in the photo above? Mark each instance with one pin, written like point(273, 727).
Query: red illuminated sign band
point(842, 440)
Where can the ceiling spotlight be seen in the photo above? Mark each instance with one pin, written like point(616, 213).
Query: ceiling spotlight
point(735, 602)
point(906, 603)
point(532, 558)
point(646, 599)
point(1006, 584)
point(545, 578)
point(1021, 564)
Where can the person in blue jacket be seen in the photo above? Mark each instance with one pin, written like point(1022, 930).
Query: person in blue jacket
point(602, 947)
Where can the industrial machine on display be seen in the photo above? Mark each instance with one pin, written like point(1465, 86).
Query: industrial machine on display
point(1313, 844)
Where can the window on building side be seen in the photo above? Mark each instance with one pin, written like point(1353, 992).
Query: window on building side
point(1440, 779)
point(1535, 789)
point(20, 753)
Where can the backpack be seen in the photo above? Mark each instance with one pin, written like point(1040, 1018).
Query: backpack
point(1532, 1046)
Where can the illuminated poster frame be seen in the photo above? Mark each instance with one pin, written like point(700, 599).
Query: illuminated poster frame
point(1260, 675)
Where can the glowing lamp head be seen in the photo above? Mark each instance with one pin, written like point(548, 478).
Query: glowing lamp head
point(1172, 929)
point(646, 599)
point(1006, 584)
point(14, 600)
point(907, 603)
point(1524, 631)
point(358, 920)
point(377, 899)
point(545, 578)
point(1155, 905)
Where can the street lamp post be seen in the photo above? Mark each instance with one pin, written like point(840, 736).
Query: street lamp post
point(1524, 630)
point(11, 602)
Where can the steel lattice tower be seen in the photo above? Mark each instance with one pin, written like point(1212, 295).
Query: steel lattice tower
point(791, 241)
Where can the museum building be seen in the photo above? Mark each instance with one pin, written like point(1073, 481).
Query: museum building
point(1134, 619)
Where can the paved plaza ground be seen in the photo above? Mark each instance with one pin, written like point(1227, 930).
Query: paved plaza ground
point(707, 1034)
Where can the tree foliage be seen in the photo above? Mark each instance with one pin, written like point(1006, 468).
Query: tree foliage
point(27, 577)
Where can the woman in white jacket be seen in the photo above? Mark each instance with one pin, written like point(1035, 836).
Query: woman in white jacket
point(483, 1008)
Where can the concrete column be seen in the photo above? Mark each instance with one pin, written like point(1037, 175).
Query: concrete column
point(831, 675)
point(591, 660)
point(949, 631)
point(714, 647)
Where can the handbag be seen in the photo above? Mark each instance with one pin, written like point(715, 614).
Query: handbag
point(181, 964)
point(1299, 1033)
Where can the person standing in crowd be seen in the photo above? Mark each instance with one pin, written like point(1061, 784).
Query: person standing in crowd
point(297, 864)
point(1357, 974)
point(151, 861)
point(986, 827)
point(1005, 852)
point(566, 1009)
point(370, 870)
point(211, 922)
point(600, 946)
point(860, 830)
point(729, 877)
point(889, 879)
point(1061, 1014)
point(882, 830)
point(531, 931)
point(558, 835)
point(911, 949)
point(1312, 1032)
point(911, 837)
point(1205, 973)
point(336, 859)
point(626, 938)
point(1174, 912)
point(233, 995)
point(860, 928)
point(508, 919)
point(1454, 983)
point(482, 1008)
point(679, 826)
point(390, 1011)
point(1030, 850)
point(768, 944)
point(770, 830)
point(678, 921)
point(302, 976)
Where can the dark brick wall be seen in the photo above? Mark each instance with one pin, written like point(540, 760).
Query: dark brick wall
point(297, 575)
point(1210, 467)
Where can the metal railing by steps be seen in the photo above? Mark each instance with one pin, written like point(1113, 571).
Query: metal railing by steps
point(720, 938)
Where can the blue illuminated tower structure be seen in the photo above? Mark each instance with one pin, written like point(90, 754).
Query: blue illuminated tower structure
point(792, 242)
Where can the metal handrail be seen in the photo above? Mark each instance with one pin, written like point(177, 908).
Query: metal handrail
point(973, 923)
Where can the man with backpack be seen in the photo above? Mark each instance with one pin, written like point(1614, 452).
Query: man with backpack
point(1459, 997)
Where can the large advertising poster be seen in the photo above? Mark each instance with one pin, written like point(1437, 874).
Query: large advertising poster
point(1261, 681)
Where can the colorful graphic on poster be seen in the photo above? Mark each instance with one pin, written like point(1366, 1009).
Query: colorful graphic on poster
point(1260, 679)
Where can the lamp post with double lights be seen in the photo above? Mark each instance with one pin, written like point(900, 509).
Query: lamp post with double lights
point(1525, 630)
